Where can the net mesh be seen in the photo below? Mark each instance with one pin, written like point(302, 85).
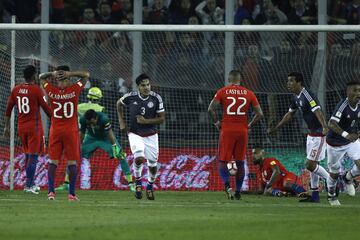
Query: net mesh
point(186, 70)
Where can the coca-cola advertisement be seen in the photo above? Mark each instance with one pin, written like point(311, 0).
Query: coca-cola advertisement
point(178, 169)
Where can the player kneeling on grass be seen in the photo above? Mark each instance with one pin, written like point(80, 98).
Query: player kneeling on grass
point(278, 181)
point(96, 132)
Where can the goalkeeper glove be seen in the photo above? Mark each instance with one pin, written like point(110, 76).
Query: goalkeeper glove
point(117, 152)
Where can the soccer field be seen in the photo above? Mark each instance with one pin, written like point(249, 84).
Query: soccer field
point(174, 215)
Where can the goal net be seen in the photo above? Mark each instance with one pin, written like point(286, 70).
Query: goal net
point(186, 69)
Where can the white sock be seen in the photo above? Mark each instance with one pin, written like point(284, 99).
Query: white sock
point(355, 171)
point(314, 181)
point(319, 170)
point(151, 177)
point(138, 170)
point(331, 183)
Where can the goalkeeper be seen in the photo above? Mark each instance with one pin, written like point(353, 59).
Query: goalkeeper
point(98, 137)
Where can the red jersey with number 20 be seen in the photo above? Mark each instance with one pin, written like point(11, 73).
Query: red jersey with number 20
point(235, 101)
point(64, 104)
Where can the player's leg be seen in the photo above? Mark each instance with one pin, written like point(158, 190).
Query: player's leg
point(35, 145)
point(72, 153)
point(335, 156)
point(239, 153)
point(137, 148)
point(107, 147)
point(291, 185)
point(354, 154)
point(227, 143)
point(151, 154)
point(55, 152)
point(315, 148)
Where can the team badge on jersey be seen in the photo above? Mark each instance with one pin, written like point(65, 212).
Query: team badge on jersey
point(150, 104)
point(312, 103)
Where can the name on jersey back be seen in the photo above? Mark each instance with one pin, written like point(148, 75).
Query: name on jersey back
point(23, 91)
point(236, 91)
point(62, 96)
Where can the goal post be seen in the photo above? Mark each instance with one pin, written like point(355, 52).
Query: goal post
point(187, 64)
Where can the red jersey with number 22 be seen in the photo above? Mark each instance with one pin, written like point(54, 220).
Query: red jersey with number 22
point(64, 104)
point(235, 101)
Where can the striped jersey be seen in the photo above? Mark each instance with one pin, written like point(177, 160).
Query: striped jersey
point(307, 103)
point(347, 118)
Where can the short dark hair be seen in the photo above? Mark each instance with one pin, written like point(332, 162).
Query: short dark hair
point(352, 83)
point(90, 114)
point(298, 77)
point(29, 72)
point(234, 72)
point(63, 68)
point(141, 78)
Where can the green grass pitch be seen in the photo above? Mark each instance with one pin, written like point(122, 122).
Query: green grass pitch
point(174, 215)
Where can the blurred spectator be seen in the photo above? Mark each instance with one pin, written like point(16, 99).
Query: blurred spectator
point(194, 20)
point(105, 14)
point(180, 11)
point(158, 13)
point(5, 16)
point(210, 13)
point(88, 16)
point(58, 11)
point(241, 13)
point(350, 13)
point(301, 14)
point(270, 14)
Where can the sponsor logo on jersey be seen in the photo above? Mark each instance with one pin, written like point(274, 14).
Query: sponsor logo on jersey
point(135, 103)
point(150, 104)
point(348, 116)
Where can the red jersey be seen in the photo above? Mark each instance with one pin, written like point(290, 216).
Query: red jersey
point(266, 168)
point(235, 101)
point(64, 104)
point(28, 98)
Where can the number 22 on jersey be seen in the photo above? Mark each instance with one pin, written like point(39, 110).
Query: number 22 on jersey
point(236, 105)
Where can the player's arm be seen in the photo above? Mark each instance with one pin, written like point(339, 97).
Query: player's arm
point(157, 120)
point(9, 107)
point(333, 125)
point(82, 136)
point(214, 104)
point(44, 104)
point(275, 173)
point(320, 116)
point(258, 115)
point(120, 113)
point(286, 118)
point(84, 76)
point(45, 76)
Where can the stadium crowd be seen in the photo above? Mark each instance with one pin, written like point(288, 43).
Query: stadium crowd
point(181, 11)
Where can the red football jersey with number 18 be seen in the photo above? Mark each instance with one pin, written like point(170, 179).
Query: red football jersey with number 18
point(235, 101)
point(64, 104)
point(28, 98)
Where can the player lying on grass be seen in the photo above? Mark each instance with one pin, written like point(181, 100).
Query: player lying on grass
point(278, 181)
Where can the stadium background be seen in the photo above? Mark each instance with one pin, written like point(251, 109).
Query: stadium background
point(186, 69)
